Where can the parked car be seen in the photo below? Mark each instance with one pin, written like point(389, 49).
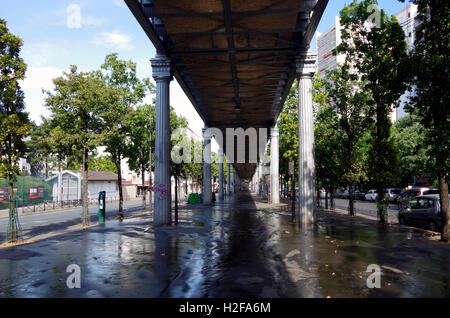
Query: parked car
point(371, 195)
point(431, 191)
point(339, 193)
point(406, 195)
point(392, 194)
point(359, 195)
point(422, 211)
point(362, 196)
point(345, 194)
point(322, 193)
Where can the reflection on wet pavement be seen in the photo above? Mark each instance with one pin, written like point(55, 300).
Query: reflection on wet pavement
point(240, 247)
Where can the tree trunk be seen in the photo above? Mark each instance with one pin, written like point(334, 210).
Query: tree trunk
point(85, 187)
point(326, 199)
point(331, 199)
point(13, 235)
point(382, 211)
point(443, 196)
point(119, 180)
point(350, 201)
point(318, 198)
point(46, 168)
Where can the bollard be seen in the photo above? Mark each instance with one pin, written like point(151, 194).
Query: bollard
point(101, 207)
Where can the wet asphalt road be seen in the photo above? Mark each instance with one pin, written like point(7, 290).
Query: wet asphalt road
point(238, 248)
point(366, 208)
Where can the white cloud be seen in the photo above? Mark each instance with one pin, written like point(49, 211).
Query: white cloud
point(76, 20)
point(73, 20)
point(120, 3)
point(120, 41)
point(40, 77)
point(40, 54)
point(91, 21)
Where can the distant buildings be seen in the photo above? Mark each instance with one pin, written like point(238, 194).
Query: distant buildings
point(328, 41)
point(407, 18)
point(325, 44)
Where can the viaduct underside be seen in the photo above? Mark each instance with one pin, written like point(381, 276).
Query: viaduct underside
point(236, 62)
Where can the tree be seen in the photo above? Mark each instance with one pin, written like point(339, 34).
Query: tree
point(379, 54)
point(14, 122)
point(120, 75)
point(76, 104)
point(288, 127)
point(327, 143)
point(193, 170)
point(40, 146)
point(140, 129)
point(102, 163)
point(327, 151)
point(347, 96)
point(138, 146)
point(415, 161)
point(431, 99)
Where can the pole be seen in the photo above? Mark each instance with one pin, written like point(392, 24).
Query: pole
point(176, 198)
point(177, 173)
point(293, 196)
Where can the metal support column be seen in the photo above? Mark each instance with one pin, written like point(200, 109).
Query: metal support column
point(228, 179)
point(162, 73)
point(305, 70)
point(274, 166)
point(220, 174)
point(207, 191)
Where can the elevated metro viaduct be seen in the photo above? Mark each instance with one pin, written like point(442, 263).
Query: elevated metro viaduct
point(236, 62)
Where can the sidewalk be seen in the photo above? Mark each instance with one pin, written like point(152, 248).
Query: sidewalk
point(240, 247)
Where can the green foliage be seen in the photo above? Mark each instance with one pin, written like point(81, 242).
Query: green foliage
point(379, 54)
point(430, 63)
point(194, 170)
point(102, 163)
point(137, 146)
point(430, 66)
point(288, 127)
point(120, 75)
point(327, 150)
point(14, 122)
point(176, 122)
point(320, 97)
point(414, 155)
point(349, 100)
point(140, 126)
point(75, 105)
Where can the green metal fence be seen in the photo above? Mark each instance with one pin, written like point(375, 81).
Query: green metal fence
point(29, 190)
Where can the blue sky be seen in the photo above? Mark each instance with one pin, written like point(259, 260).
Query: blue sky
point(59, 33)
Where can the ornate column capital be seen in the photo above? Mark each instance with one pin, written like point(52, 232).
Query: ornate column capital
point(305, 63)
point(161, 68)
